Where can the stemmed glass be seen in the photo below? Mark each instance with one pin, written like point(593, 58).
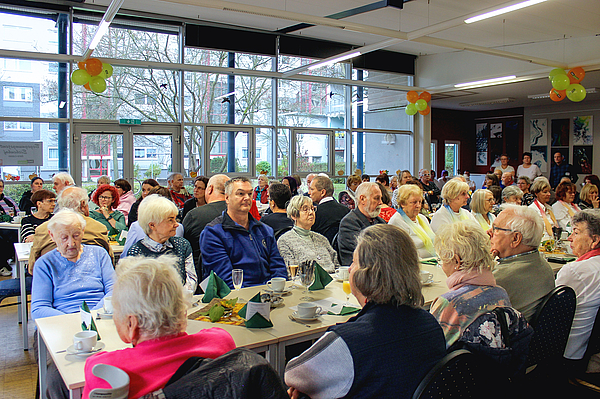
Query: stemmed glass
point(292, 267)
point(306, 273)
point(348, 290)
point(237, 277)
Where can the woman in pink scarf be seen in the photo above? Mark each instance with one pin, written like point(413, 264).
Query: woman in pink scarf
point(464, 249)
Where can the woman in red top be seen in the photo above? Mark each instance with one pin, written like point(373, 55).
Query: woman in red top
point(386, 210)
point(261, 192)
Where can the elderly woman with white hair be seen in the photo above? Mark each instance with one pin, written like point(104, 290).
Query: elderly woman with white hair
point(158, 219)
point(464, 249)
point(300, 244)
point(456, 195)
point(408, 218)
point(72, 273)
point(482, 203)
point(150, 314)
point(512, 195)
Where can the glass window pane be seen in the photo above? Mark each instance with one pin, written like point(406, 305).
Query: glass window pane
point(287, 63)
point(312, 152)
point(221, 160)
point(27, 33)
point(156, 166)
point(192, 150)
point(264, 151)
point(101, 154)
point(311, 104)
point(382, 151)
point(199, 101)
point(283, 146)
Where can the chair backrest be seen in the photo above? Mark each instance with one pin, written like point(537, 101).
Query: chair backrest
point(460, 374)
point(282, 231)
point(593, 346)
point(117, 378)
point(552, 325)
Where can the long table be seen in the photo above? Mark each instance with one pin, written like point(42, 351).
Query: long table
point(55, 333)
point(22, 257)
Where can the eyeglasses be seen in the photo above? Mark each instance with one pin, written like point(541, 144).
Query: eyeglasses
point(491, 200)
point(494, 228)
point(102, 197)
point(307, 209)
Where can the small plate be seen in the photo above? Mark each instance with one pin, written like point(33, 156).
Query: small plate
point(99, 346)
point(428, 282)
point(103, 315)
point(336, 277)
point(285, 291)
point(296, 316)
point(276, 301)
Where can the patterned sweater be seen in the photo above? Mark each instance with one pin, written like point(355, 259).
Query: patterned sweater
point(299, 245)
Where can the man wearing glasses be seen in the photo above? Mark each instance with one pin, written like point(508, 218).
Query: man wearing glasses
point(522, 271)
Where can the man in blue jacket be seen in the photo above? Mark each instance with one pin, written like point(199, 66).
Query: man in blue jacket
point(235, 240)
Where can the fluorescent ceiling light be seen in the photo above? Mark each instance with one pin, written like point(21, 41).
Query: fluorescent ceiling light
point(225, 95)
point(333, 61)
point(488, 102)
point(109, 15)
point(503, 10)
point(102, 29)
point(487, 82)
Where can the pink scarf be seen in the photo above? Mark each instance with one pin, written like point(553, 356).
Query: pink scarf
point(462, 278)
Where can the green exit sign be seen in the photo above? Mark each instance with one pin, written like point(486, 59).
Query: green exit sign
point(130, 121)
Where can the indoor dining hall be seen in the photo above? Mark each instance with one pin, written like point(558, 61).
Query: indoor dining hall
point(342, 199)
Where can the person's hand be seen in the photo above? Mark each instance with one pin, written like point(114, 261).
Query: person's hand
point(595, 202)
point(294, 393)
point(29, 239)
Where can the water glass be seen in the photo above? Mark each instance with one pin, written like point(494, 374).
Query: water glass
point(237, 278)
point(306, 274)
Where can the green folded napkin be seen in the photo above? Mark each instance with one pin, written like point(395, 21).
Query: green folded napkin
point(257, 320)
point(216, 288)
point(432, 262)
point(346, 310)
point(322, 278)
point(87, 321)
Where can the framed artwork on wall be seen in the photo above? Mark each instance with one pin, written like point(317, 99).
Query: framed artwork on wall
point(538, 132)
point(560, 132)
point(539, 156)
point(583, 130)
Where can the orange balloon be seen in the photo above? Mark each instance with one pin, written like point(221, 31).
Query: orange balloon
point(412, 96)
point(557, 95)
point(425, 96)
point(426, 111)
point(81, 64)
point(93, 66)
point(87, 86)
point(576, 75)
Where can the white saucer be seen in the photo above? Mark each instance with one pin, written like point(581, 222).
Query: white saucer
point(296, 316)
point(285, 291)
point(99, 346)
point(105, 315)
point(336, 277)
point(429, 282)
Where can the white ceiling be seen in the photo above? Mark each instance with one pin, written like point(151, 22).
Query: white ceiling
point(558, 33)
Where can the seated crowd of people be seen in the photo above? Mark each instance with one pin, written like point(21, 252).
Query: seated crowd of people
point(486, 242)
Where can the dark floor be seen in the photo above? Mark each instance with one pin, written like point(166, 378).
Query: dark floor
point(18, 370)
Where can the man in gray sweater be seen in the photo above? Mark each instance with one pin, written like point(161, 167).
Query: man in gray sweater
point(522, 271)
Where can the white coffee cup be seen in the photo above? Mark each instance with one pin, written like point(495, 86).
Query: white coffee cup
point(344, 273)
point(85, 341)
point(277, 284)
point(426, 277)
point(308, 310)
point(108, 307)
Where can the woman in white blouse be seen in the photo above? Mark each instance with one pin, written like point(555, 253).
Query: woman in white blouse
point(482, 203)
point(408, 218)
point(455, 194)
point(541, 190)
point(527, 168)
point(564, 208)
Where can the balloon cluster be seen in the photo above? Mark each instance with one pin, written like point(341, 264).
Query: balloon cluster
point(92, 74)
point(418, 103)
point(567, 84)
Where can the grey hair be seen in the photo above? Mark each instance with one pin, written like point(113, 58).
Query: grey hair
point(539, 185)
point(527, 222)
point(453, 188)
point(155, 209)
point(388, 267)
point(466, 239)
point(229, 183)
point(72, 198)
point(265, 177)
point(323, 183)
point(525, 178)
point(66, 218)
point(297, 202)
point(150, 289)
point(365, 188)
point(103, 179)
point(422, 172)
point(64, 177)
point(591, 217)
point(511, 191)
point(478, 200)
point(172, 175)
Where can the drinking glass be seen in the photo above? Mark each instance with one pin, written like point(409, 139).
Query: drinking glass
point(347, 290)
point(292, 267)
point(237, 277)
point(306, 273)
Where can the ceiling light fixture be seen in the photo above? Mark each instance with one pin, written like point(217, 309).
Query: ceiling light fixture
point(502, 10)
point(590, 90)
point(487, 82)
point(488, 102)
point(109, 15)
point(333, 61)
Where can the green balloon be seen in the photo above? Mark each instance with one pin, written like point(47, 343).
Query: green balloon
point(576, 92)
point(555, 72)
point(107, 71)
point(560, 82)
point(97, 84)
point(411, 109)
point(80, 77)
point(421, 105)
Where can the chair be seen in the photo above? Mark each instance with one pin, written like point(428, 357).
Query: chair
point(282, 231)
point(552, 325)
point(116, 378)
point(11, 287)
point(460, 374)
point(580, 378)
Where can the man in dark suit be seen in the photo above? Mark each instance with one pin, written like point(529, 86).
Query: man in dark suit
point(329, 211)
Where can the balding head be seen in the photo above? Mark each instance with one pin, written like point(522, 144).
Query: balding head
point(215, 189)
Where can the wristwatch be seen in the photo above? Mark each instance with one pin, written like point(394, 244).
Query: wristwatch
point(109, 217)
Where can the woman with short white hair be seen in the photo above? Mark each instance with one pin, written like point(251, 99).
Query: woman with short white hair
point(158, 219)
point(456, 195)
point(408, 218)
point(482, 203)
point(512, 195)
point(72, 273)
point(150, 313)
